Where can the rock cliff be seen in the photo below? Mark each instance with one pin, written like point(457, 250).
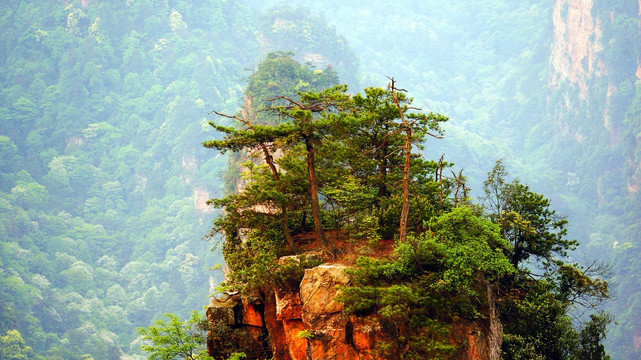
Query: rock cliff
point(592, 69)
point(574, 64)
point(307, 322)
point(576, 43)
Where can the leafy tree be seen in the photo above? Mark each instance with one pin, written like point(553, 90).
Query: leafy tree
point(591, 336)
point(8, 154)
point(30, 194)
point(245, 141)
point(378, 154)
point(539, 326)
point(526, 219)
point(176, 339)
point(536, 311)
point(289, 77)
point(311, 119)
point(376, 140)
point(13, 347)
point(318, 122)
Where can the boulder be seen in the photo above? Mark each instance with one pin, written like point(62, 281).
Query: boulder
point(319, 288)
point(224, 309)
point(331, 331)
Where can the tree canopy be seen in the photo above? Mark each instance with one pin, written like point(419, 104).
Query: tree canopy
point(175, 339)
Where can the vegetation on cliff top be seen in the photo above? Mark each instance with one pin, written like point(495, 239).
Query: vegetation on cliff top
point(327, 160)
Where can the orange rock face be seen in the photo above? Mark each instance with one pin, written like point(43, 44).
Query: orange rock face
point(482, 339)
point(577, 36)
point(309, 324)
point(333, 333)
point(296, 345)
point(288, 304)
point(252, 315)
point(319, 288)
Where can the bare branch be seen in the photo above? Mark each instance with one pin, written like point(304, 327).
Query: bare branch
point(392, 85)
point(291, 101)
point(244, 121)
point(267, 148)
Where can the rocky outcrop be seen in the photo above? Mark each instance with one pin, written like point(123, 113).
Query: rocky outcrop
point(201, 196)
point(245, 315)
point(330, 331)
point(309, 323)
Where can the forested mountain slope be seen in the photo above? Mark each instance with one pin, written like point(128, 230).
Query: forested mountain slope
point(103, 179)
point(593, 114)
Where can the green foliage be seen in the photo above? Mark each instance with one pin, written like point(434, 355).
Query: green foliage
point(305, 334)
point(526, 220)
point(8, 154)
point(227, 343)
point(536, 313)
point(356, 175)
point(280, 75)
point(469, 245)
point(540, 328)
point(433, 280)
point(591, 337)
point(537, 325)
point(13, 347)
point(237, 356)
point(307, 35)
point(175, 339)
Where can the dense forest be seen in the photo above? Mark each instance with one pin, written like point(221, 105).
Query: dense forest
point(104, 106)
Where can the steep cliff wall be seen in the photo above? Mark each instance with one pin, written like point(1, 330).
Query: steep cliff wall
point(574, 65)
point(593, 68)
point(577, 41)
point(593, 62)
point(593, 104)
point(307, 322)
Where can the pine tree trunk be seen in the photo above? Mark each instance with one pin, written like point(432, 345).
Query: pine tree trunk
point(406, 180)
point(313, 189)
point(285, 217)
point(407, 127)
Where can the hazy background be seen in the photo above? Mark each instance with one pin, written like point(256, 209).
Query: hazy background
point(103, 106)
